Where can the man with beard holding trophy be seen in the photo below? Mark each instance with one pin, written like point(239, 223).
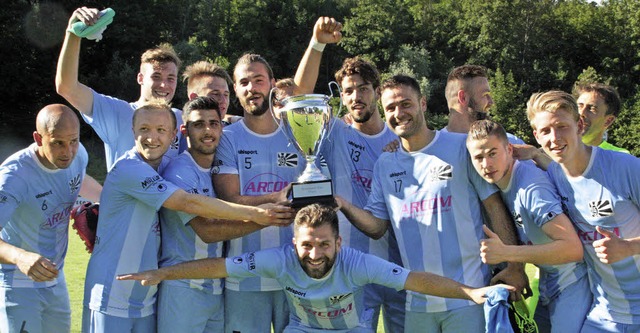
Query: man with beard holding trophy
point(254, 165)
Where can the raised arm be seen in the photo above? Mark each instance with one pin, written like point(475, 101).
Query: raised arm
point(436, 285)
point(565, 246)
point(210, 268)
point(67, 84)
point(326, 31)
point(362, 219)
point(214, 208)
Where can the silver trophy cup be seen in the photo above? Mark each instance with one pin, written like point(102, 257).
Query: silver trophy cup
point(306, 121)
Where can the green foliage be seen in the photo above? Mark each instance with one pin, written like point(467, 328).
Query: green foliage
point(529, 46)
point(626, 128)
point(510, 106)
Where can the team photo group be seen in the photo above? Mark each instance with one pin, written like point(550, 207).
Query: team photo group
point(290, 218)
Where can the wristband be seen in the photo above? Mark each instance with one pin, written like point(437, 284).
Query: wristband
point(317, 45)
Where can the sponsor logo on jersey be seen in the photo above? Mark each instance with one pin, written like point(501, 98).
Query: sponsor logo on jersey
point(289, 160)
point(415, 209)
point(237, 260)
point(296, 292)
point(601, 208)
point(329, 314)
point(362, 178)
point(397, 174)
point(247, 152)
point(59, 216)
point(155, 228)
point(43, 194)
point(441, 172)
point(396, 271)
point(587, 237)
point(264, 183)
point(355, 145)
point(74, 184)
point(149, 181)
point(251, 259)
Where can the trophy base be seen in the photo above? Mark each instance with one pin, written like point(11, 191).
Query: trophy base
point(306, 193)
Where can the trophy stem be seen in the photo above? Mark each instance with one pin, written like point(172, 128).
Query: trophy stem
point(311, 171)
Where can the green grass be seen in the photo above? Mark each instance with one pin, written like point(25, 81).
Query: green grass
point(75, 268)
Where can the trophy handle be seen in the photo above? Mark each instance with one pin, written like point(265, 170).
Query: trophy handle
point(272, 92)
point(334, 83)
point(334, 113)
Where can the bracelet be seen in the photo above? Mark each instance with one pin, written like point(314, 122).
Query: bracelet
point(317, 45)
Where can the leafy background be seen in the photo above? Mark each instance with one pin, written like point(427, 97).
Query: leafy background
point(528, 46)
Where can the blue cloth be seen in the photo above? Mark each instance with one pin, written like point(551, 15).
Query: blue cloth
point(496, 311)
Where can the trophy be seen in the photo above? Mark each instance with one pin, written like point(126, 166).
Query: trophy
point(306, 120)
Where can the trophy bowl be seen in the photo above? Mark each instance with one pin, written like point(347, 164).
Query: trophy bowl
point(306, 121)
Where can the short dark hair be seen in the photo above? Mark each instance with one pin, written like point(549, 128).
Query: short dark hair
point(608, 93)
point(356, 65)
point(316, 215)
point(466, 72)
point(200, 103)
point(402, 80)
point(482, 129)
point(250, 58)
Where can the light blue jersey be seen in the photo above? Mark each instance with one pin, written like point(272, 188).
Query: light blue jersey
point(112, 121)
point(35, 204)
point(607, 195)
point(332, 302)
point(179, 242)
point(432, 198)
point(128, 237)
point(351, 156)
point(533, 201)
point(264, 164)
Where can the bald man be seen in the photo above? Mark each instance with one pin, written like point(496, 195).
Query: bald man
point(38, 186)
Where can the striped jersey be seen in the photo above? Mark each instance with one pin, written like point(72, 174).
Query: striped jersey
point(432, 198)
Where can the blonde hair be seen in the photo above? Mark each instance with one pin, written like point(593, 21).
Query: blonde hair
point(161, 54)
point(155, 105)
point(201, 69)
point(551, 101)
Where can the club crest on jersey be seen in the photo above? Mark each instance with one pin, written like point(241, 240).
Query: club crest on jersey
point(175, 143)
point(323, 162)
point(338, 298)
point(289, 160)
point(601, 208)
point(74, 184)
point(441, 172)
point(517, 218)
